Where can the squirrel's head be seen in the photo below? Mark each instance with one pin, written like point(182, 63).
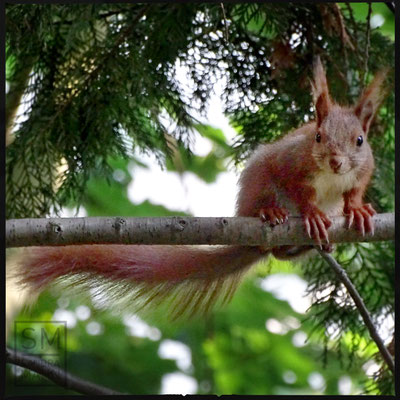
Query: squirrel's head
point(340, 143)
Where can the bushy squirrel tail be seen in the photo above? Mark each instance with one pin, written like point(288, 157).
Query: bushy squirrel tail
point(191, 278)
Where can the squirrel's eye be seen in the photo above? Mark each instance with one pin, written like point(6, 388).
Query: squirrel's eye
point(318, 137)
point(360, 140)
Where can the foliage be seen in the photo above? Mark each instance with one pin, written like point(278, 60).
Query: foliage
point(103, 77)
point(100, 81)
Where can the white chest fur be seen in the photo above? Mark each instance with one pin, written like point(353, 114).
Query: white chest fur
point(330, 188)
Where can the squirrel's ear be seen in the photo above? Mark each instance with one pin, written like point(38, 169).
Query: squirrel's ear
point(370, 100)
point(322, 100)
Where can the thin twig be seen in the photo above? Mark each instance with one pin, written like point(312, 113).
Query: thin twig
point(225, 22)
point(367, 45)
point(56, 374)
point(353, 21)
point(355, 34)
point(345, 39)
point(343, 31)
point(343, 277)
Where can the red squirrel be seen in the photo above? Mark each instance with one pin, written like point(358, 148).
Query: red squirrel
point(317, 171)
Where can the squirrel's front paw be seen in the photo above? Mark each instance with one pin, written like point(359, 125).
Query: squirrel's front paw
point(274, 215)
point(362, 218)
point(316, 224)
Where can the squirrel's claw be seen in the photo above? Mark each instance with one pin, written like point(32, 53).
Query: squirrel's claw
point(359, 221)
point(315, 232)
point(350, 219)
point(316, 225)
point(362, 217)
point(274, 215)
point(321, 228)
point(308, 228)
point(368, 207)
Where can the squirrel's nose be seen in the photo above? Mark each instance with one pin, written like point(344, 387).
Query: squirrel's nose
point(335, 163)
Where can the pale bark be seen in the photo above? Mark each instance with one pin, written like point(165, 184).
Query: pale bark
point(181, 230)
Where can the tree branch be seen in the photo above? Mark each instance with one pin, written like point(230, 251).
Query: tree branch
point(342, 275)
point(181, 230)
point(56, 374)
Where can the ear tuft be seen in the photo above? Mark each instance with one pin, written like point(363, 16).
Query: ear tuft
point(321, 108)
point(365, 113)
point(370, 100)
point(320, 91)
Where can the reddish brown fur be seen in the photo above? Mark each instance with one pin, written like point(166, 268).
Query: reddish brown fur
point(297, 174)
point(138, 263)
point(316, 179)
